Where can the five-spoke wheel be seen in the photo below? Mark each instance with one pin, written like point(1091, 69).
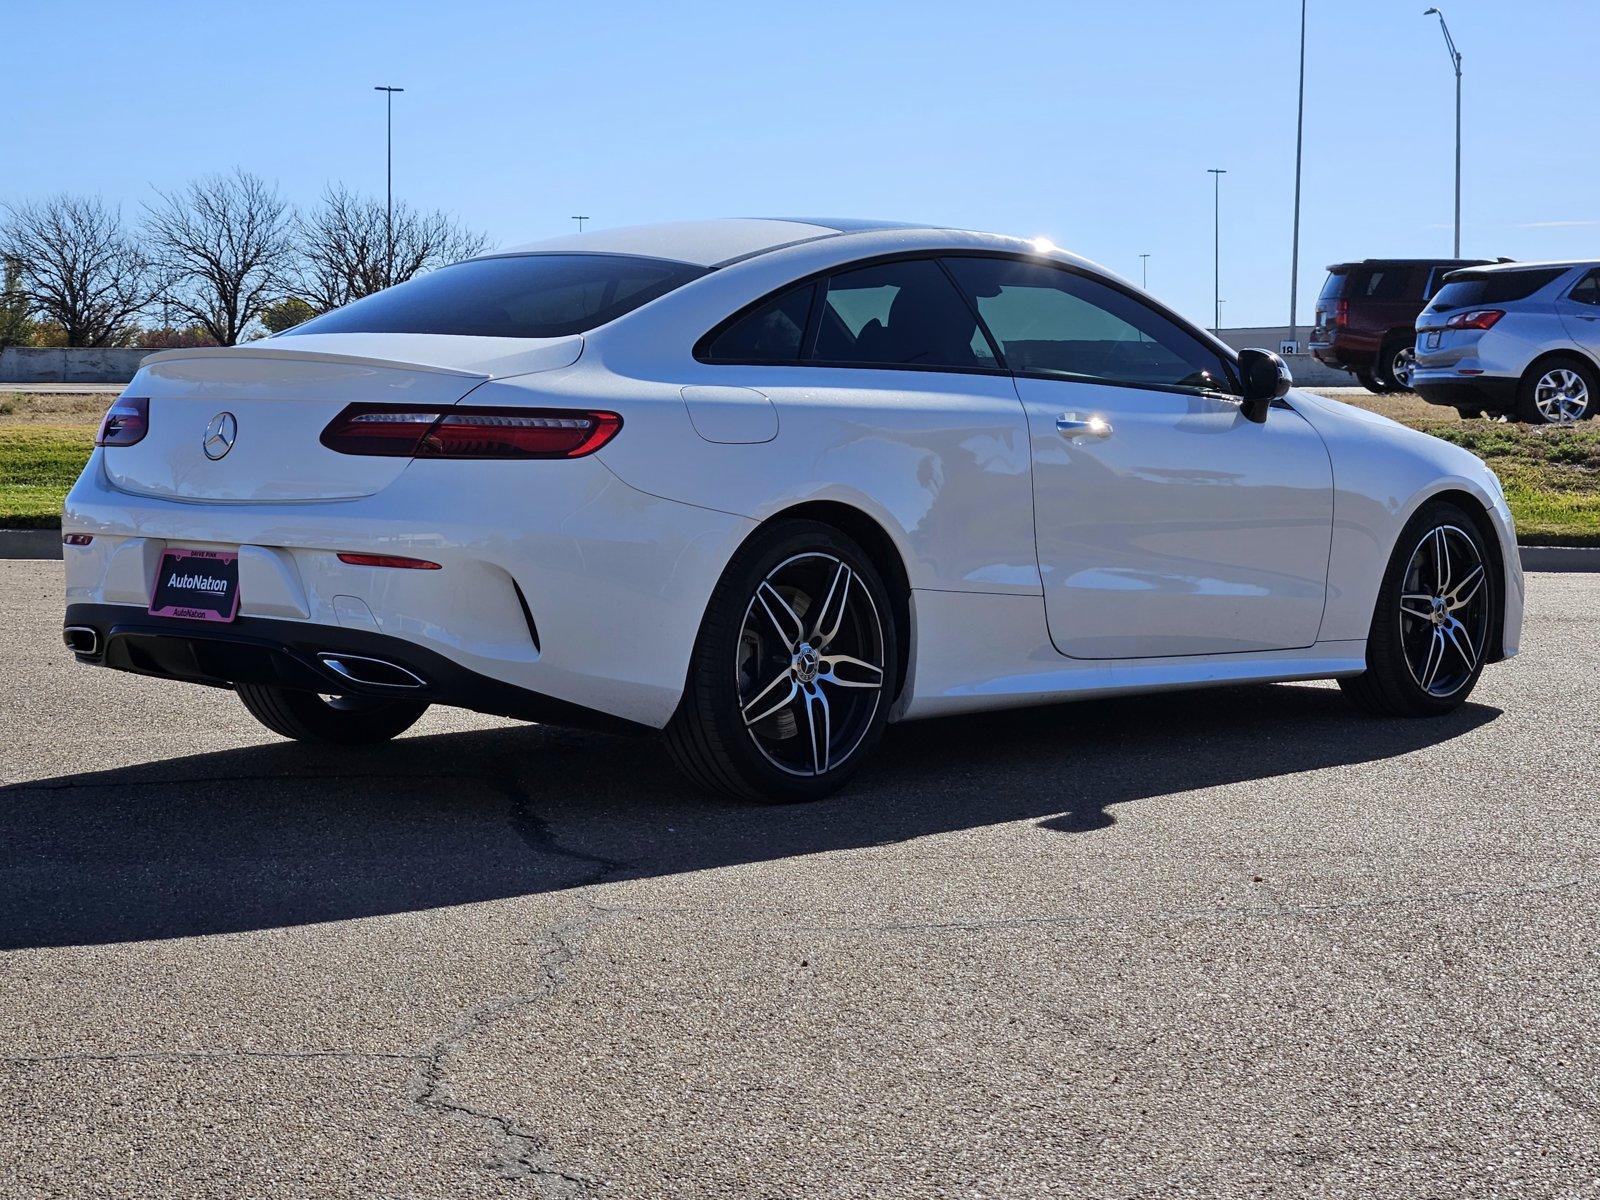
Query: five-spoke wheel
point(1430, 631)
point(804, 621)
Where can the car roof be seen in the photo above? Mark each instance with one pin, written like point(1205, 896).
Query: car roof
point(710, 243)
point(727, 240)
point(1500, 268)
point(1409, 262)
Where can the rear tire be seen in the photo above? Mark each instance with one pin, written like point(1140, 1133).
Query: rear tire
point(800, 636)
point(1368, 381)
point(1558, 391)
point(1419, 664)
point(335, 720)
point(1396, 362)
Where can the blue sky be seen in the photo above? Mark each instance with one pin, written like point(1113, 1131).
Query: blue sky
point(1091, 123)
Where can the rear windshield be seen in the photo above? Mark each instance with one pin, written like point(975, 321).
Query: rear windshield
point(521, 296)
point(1334, 287)
point(1496, 287)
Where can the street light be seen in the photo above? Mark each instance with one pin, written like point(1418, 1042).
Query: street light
point(388, 208)
point(1299, 144)
point(1455, 62)
point(1144, 271)
point(1216, 174)
point(580, 221)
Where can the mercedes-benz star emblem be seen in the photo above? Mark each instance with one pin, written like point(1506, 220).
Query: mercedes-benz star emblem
point(220, 435)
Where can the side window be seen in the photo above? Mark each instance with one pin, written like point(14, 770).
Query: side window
point(1587, 289)
point(771, 333)
point(1046, 319)
point(898, 314)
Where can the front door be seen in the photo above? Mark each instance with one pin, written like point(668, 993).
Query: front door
point(1166, 523)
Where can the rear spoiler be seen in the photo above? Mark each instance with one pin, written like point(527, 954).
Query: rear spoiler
point(234, 353)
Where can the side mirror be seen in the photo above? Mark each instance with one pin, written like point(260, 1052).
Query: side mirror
point(1264, 378)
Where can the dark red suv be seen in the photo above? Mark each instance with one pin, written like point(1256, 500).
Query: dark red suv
point(1367, 315)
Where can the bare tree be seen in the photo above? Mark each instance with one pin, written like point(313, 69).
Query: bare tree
point(227, 245)
point(344, 247)
point(75, 266)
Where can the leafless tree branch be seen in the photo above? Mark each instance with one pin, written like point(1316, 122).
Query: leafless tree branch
point(76, 267)
point(226, 243)
point(344, 247)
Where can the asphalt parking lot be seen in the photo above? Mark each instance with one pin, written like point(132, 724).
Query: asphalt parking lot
point(1220, 944)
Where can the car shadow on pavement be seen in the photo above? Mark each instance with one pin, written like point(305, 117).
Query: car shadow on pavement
point(282, 834)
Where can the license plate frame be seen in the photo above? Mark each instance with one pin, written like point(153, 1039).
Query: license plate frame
point(184, 585)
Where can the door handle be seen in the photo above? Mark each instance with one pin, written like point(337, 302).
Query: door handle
point(1079, 427)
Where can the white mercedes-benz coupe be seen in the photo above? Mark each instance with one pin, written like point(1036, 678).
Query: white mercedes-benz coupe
point(765, 486)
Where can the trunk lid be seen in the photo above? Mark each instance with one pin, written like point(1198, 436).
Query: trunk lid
point(281, 393)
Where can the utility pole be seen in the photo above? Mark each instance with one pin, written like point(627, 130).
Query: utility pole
point(1144, 271)
point(580, 221)
point(1299, 147)
point(1216, 174)
point(1455, 62)
point(388, 208)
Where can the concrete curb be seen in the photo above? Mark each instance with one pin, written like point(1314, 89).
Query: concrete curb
point(1560, 558)
point(30, 543)
point(46, 543)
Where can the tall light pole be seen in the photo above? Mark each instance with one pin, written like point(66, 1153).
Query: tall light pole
point(1144, 271)
point(1299, 146)
point(1455, 62)
point(580, 221)
point(388, 208)
point(1216, 174)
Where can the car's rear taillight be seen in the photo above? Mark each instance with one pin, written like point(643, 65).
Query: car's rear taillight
point(125, 422)
point(469, 432)
point(1478, 318)
point(1341, 312)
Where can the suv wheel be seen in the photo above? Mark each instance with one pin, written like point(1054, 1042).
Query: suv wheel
point(793, 672)
point(1366, 380)
point(1396, 364)
point(1558, 392)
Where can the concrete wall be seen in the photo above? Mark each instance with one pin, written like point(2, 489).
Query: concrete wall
point(1308, 372)
point(73, 364)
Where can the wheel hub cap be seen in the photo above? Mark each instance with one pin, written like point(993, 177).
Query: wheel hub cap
point(807, 662)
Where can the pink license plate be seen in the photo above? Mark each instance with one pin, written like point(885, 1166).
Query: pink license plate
point(198, 585)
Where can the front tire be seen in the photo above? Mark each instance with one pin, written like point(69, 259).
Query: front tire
point(1430, 629)
point(793, 671)
point(1558, 392)
point(330, 720)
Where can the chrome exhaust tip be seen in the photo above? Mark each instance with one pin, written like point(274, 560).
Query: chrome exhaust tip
point(371, 672)
point(81, 639)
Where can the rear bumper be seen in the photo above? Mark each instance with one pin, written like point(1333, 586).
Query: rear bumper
point(556, 579)
point(307, 657)
point(1446, 388)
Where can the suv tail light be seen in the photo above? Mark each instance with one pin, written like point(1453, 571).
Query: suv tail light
point(398, 432)
point(1341, 313)
point(125, 423)
point(1478, 318)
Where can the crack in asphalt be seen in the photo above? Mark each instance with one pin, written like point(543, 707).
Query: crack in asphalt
point(519, 1153)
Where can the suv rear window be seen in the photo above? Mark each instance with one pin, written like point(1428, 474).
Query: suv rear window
point(520, 296)
point(1495, 287)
